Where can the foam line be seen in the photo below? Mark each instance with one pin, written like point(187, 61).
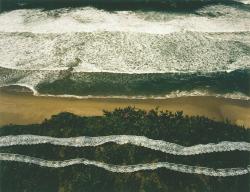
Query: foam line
point(158, 145)
point(127, 168)
point(173, 94)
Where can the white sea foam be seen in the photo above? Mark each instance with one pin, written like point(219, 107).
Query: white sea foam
point(92, 40)
point(244, 1)
point(127, 168)
point(158, 145)
point(173, 94)
point(125, 52)
point(42, 46)
point(90, 19)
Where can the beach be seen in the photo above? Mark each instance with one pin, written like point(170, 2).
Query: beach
point(181, 59)
point(25, 108)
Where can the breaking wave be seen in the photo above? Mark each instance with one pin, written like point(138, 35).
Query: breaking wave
point(40, 48)
point(211, 18)
point(158, 145)
point(123, 52)
point(127, 168)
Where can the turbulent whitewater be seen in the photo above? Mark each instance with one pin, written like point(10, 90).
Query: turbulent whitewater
point(92, 40)
point(86, 47)
point(127, 168)
point(159, 145)
point(123, 52)
point(87, 19)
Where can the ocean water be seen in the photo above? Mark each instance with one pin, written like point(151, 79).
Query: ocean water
point(97, 50)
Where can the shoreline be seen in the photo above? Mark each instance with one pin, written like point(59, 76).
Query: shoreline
point(25, 108)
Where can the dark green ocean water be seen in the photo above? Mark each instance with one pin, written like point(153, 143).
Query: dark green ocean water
point(162, 85)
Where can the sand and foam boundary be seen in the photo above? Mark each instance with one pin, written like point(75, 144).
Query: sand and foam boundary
point(20, 106)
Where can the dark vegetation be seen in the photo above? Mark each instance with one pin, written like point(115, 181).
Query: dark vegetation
point(172, 127)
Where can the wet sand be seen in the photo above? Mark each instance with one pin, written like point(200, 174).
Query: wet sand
point(24, 108)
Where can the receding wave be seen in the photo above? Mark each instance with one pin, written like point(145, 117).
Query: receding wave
point(233, 84)
point(127, 168)
point(174, 94)
point(159, 145)
point(141, 86)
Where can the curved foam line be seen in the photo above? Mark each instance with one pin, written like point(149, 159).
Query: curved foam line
point(31, 88)
point(127, 168)
point(158, 145)
point(174, 94)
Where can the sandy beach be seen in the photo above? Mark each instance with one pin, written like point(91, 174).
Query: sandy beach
point(24, 108)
